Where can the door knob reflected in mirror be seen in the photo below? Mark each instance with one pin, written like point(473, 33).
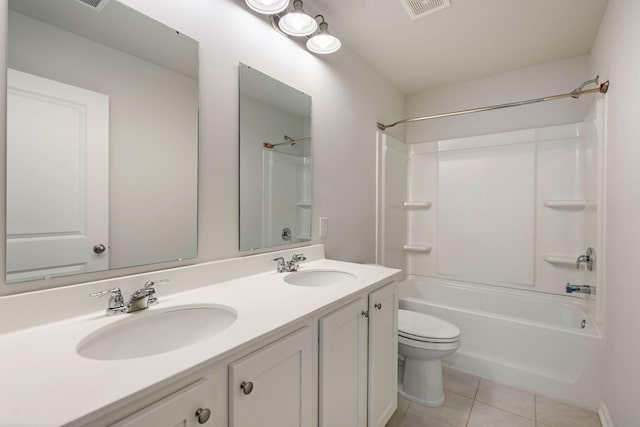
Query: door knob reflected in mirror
point(247, 387)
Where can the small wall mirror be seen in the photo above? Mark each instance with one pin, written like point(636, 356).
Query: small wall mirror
point(102, 139)
point(275, 162)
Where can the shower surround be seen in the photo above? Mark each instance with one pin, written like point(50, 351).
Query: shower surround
point(491, 224)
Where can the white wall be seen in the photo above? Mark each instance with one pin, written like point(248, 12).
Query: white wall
point(534, 82)
point(348, 99)
point(616, 57)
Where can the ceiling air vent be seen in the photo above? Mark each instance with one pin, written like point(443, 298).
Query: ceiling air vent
point(419, 8)
point(97, 5)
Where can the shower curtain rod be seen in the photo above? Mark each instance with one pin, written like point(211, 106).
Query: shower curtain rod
point(602, 88)
point(287, 140)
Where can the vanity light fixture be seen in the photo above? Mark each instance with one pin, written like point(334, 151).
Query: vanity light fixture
point(323, 42)
point(297, 22)
point(267, 7)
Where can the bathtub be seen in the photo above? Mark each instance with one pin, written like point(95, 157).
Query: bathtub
point(543, 343)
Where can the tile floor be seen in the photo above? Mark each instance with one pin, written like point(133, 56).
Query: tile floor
point(471, 401)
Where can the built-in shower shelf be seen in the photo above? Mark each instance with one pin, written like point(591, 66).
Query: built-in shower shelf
point(423, 204)
point(568, 204)
point(417, 248)
point(303, 204)
point(560, 259)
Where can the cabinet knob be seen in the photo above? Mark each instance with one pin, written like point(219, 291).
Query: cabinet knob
point(378, 306)
point(203, 415)
point(365, 313)
point(247, 387)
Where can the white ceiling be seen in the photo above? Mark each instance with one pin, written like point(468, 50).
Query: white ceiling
point(469, 40)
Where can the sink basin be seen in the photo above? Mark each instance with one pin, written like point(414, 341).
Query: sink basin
point(154, 332)
point(315, 278)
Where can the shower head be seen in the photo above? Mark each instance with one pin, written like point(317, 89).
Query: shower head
point(287, 140)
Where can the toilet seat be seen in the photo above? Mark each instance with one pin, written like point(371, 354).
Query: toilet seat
point(427, 345)
point(425, 328)
point(426, 339)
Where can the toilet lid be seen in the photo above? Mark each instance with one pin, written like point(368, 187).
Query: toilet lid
point(421, 327)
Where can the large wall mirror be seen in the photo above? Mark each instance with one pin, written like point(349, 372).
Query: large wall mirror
point(102, 140)
point(275, 162)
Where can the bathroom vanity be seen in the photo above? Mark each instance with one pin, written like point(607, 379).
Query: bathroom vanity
point(308, 348)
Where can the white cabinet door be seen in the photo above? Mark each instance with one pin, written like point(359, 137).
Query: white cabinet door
point(343, 366)
point(57, 178)
point(184, 408)
point(273, 386)
point(383, 354)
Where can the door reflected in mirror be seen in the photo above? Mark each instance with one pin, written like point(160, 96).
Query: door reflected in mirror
point(275, 162)
point(102, 140)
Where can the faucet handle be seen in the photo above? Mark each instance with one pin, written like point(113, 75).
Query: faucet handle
point(115, 293)
point(282, 265)
point(588, 258)
point(295, 259)
point(298, 257)
point(152, 283)
point(116, 302)
point(152, 291)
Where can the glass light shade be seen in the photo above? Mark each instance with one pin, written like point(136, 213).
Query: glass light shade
point(267, 7)
point(323, 42)
point(297, 22)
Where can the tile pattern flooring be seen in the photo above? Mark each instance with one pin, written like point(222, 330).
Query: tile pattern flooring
point(471, 401)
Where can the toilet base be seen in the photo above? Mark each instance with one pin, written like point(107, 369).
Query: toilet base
point(422, 382)
point(430, 404)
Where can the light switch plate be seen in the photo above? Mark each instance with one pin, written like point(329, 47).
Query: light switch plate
point(324, 226)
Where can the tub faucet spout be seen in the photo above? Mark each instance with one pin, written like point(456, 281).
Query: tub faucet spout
point(581, 289)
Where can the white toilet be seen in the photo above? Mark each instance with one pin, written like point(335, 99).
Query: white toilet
point(424, 340)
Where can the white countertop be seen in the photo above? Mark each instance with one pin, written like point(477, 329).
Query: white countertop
point(44, 382)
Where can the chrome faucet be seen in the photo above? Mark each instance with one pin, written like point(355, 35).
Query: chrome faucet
point(288, 266)
point(143, 297)
point(139, 300)
point(581, 289)
point(295, 259)
point(589, 258)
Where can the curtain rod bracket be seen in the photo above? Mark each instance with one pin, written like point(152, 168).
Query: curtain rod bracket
point(577, 90)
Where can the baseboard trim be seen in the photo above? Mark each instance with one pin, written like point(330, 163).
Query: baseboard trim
point(605, 418)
